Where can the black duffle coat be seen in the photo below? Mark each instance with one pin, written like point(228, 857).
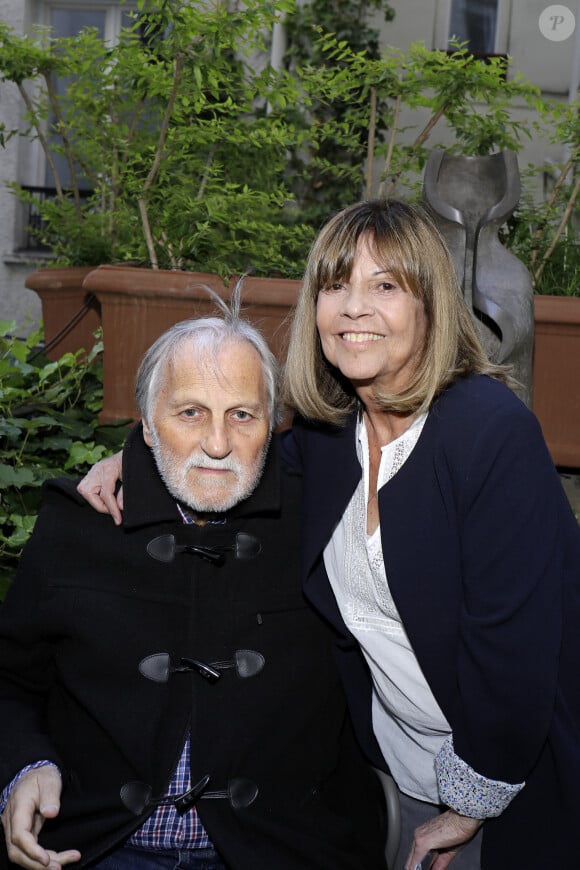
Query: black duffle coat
point(99, 642)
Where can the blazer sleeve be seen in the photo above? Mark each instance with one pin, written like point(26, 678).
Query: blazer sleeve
point(513, 549)
point(290, 450)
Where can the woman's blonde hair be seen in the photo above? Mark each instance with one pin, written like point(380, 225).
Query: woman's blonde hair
point(406, 242)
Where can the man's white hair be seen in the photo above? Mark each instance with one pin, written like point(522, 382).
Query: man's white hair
point(206, 336)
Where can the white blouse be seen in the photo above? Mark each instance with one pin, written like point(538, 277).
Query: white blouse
point(407, 720)
point(413, 734)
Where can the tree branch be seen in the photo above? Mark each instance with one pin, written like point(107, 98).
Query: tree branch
point(559, 231)
point(371, 141)
point(152, 174)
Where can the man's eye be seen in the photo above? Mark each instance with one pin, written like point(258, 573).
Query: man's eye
point(242, 415)
point(190, 412)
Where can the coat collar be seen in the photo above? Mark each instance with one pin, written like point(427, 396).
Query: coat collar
point(147, 501)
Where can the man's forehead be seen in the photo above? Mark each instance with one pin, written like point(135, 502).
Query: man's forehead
point(234, 370)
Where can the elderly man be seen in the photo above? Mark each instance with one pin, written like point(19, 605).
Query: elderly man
point(167, 698)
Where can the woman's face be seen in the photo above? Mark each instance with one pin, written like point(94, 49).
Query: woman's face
point(370, 327)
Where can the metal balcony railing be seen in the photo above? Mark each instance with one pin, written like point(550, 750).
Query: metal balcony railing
point(34, 228)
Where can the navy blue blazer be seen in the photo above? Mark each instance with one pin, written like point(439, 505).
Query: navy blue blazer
point(482, 553)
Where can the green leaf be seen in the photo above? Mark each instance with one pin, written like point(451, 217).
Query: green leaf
point(17, 477)
point(84, 454)
point(7, 326)
point(23, 528)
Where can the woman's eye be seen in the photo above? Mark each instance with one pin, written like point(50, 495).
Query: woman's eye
point(386, 286)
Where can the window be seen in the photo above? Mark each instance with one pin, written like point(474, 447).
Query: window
point(475, 21)
point(66, 19)
point(483, 24)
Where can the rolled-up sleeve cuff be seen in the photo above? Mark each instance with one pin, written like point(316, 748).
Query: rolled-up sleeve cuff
point(468, 792)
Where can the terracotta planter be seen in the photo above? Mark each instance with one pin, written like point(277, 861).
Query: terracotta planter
point(556, 376)
point(137, 305)
point(70, 314)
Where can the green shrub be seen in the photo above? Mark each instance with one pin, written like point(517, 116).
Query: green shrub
point(48, 428)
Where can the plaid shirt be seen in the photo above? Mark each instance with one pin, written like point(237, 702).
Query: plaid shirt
point(165, 828)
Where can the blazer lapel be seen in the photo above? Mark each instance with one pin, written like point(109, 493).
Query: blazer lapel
point(331, 474)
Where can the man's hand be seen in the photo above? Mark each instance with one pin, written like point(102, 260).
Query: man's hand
point(34, 798)
point(98, 487)
point(443, 836)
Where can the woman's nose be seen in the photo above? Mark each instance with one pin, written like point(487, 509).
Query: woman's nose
point(356, 302)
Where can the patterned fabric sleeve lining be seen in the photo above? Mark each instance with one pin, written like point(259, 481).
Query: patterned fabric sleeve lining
point(468, 792)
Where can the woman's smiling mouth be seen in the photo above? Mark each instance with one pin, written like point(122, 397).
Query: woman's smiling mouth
point(360, 337)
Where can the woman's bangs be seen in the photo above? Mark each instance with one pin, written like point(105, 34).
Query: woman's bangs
point(336, 262)
point(396, 258)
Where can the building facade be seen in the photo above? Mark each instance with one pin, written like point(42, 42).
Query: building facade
point(542, 45)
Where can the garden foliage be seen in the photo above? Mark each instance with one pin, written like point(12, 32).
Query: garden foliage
point(48, 428)
point(198, 154)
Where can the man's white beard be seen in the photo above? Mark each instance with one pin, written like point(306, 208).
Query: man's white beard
point(210, 498)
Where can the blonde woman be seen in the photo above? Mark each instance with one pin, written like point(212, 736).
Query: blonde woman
point(439, 542)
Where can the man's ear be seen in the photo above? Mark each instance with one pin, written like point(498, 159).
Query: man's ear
point(147, 433)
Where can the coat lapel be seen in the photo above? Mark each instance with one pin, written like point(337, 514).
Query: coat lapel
point(331, 474)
